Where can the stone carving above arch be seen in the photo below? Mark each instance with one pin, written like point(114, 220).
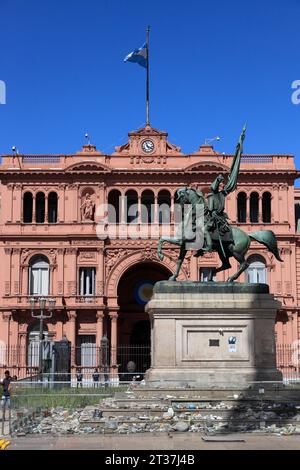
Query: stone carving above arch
point(27, 255)
point(119, 261)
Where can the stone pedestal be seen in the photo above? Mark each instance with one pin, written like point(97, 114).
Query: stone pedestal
point(212, 335)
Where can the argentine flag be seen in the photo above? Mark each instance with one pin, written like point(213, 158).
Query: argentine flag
point(138, 55)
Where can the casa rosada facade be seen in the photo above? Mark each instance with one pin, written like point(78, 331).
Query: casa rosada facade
point(50, 244)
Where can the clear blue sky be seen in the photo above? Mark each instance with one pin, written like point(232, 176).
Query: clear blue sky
point(214, 65)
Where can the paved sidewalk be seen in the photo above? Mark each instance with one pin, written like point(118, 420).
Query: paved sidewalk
point(183, 441)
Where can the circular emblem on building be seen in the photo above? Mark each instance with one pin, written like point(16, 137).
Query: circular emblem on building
point(147, 146)
point(143, 291)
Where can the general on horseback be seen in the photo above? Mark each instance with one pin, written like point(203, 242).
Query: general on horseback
point(205, 223)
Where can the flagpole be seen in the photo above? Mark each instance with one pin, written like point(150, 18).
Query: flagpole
point(147, 80)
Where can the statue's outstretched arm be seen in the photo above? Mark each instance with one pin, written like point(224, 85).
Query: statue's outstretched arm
point(235, 167)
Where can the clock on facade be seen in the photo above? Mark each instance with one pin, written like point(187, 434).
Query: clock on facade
point(147, 146)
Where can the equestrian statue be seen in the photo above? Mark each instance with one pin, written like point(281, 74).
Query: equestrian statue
point(205, 219)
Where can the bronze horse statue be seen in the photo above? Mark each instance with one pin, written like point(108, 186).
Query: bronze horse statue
point(217, 234)
point(237, 249)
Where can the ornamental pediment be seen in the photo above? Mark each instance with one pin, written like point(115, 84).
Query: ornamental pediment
point(147, 142)
point(207, 166)
point(88, 166)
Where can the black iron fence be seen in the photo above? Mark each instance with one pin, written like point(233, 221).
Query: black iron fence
point(288, 360)
point(126, 362)
point(82, 364)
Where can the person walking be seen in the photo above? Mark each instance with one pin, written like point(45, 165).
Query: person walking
point(6, 389)
point(96, 377)
point(79, 377)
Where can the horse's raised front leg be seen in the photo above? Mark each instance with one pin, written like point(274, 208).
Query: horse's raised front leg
point(181, 257)
point(175, 241)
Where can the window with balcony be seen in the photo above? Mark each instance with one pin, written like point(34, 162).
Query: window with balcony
point(39, 276)
point(87, 279)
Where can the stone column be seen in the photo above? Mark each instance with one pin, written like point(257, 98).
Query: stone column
point(22, 351)
point(172, 209)
point(99, 334)
point(155, 225)
point(15, 274)
point(8, 207)
point(71, 271)
point(7, 269)
point(248, 208)
point(113, 343)
point(99, 327)
point(6, 319)
point(46, 208)
point(17, 209)
point(260, 208)
point(61, 204)
point(72, 335)
point(139, 209)
point(34, 208)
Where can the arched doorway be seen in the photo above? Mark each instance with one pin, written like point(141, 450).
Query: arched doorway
point(134, 290)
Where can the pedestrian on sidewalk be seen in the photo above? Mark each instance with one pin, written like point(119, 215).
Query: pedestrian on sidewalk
point(6, 389)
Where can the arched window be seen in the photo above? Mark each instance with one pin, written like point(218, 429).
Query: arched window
point(242, 207)
point(164, 207)
point(40, 208)
point(52, 208)
point(266, 208)
point(39, 276)
point(114, 207)
point(132, 207)
point(254, 207)
point(257, 271)
point(147, 208)
point(27, 208)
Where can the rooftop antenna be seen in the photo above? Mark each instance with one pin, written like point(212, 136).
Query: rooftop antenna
point(208, 141)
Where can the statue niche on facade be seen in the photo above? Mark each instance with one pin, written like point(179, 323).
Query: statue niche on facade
point(212, 221)
point(87, 208)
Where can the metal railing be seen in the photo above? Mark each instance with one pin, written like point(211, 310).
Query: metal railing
point(124, 362)
point(288, 361)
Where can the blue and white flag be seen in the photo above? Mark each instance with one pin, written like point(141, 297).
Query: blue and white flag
point(138, 55)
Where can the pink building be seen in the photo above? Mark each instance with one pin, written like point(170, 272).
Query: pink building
point(50, 244)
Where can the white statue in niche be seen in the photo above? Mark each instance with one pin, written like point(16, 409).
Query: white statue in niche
point(87, 208)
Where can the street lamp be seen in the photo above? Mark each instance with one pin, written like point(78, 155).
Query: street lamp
point(42, 316)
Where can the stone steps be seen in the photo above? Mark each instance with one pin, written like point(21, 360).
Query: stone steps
point(221, 394)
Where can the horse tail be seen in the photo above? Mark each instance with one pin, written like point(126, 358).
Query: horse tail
point(267, 238)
